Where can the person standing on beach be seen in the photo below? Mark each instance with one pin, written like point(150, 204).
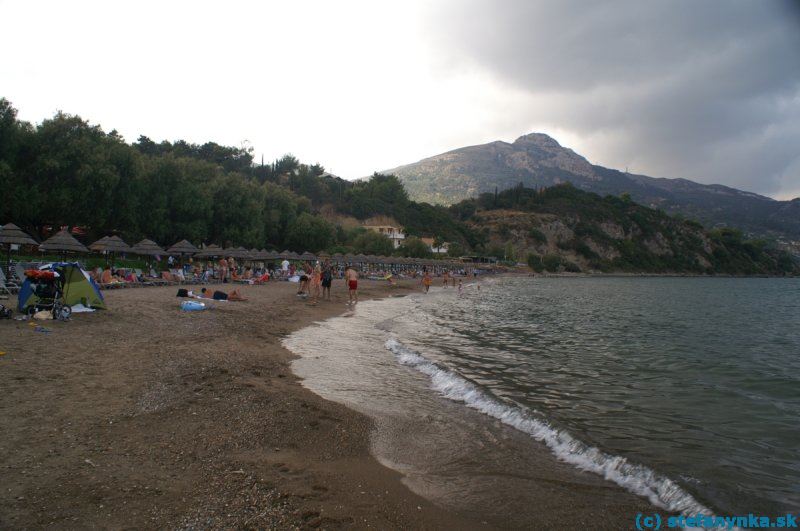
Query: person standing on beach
point(351, 276)
point(327, 280)
point(445, 277)
point(223, 269)
point(426, 280)
point(316, 281)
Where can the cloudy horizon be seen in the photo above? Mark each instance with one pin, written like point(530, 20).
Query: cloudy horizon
point(708, 91)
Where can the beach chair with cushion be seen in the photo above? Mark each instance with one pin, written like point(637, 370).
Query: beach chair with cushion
point(7, 286)
point(156, 279)
point(19, 274)
point(178, 276)
point(131, 283)
point(143, 280)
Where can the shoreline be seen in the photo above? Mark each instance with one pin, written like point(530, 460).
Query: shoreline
point(636, 275)
point(547, 490)
point(146, 416)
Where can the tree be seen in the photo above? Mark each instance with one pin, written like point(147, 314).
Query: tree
point(413, 247)
point(551, 262)
point(371, 242)
point(535, 262)
point(509, 252)
point(455, 250)
point(309, 233)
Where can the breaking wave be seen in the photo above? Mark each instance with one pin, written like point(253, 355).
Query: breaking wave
point(661, 491)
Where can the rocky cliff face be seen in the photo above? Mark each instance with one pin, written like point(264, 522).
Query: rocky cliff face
point(563, 228)
point(537, 160)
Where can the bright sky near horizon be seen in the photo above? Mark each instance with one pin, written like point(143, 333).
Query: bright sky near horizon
point(709, 91)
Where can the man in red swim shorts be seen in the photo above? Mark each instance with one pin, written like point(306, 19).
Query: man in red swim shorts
point(351, 275)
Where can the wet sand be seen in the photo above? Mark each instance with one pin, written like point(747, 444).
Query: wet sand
point(144, 416)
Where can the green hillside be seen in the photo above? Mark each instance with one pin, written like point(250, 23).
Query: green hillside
point(67, 172)
point(563, 228)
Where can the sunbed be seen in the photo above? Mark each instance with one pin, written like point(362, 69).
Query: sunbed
point(7, 286)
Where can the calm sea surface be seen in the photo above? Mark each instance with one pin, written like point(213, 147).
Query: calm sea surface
point(683, 391)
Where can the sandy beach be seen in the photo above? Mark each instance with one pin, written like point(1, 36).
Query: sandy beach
point(144, 416)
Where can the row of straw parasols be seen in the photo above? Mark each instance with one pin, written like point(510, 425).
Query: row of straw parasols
point(63, 242)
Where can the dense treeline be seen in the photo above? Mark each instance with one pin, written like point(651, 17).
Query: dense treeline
point(65, 171)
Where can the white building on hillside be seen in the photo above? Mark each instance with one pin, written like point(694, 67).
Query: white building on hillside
point(395, 234)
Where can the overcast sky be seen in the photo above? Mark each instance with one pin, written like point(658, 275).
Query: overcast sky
point(706, 90)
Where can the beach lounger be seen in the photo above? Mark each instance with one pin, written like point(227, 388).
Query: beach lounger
point(178, 276)
point(7, 286)
point(19, 274)
point(145, 281)
point(156, 279)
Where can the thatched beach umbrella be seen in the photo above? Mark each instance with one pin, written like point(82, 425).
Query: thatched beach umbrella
point(308, 257)
point(244, 254)
point(110, 245)
point(147, 248)
point(183, 247)
point(100, 242)
point(63, 242)
point(10, 235)
point(210, 251)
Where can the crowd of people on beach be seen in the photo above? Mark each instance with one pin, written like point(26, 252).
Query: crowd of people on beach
point(314, 279)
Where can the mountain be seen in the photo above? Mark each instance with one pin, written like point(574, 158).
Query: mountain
point(537, 160)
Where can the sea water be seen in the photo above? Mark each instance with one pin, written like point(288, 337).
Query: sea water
point(683, 391)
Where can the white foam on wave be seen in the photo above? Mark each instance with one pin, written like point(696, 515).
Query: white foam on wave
point(661, 491)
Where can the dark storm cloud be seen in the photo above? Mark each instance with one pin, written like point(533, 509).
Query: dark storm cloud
point(702, 89)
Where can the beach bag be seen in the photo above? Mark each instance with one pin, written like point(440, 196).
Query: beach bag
point(182, 292)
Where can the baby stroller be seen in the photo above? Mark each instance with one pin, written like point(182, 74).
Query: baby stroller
point(48, 286)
